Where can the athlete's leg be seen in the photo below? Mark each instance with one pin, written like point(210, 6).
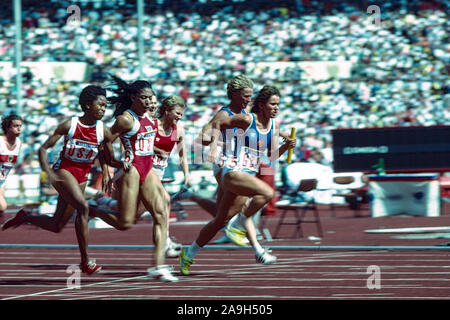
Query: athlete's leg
point(250, 186)
point(230, 204)
point(70, 197)
point(260, 193)
point(127, 195)
point(206, 204)
point(153, 196)
point(53, 223)
point(3, 204)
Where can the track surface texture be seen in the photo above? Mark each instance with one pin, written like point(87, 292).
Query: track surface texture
point(343, 265)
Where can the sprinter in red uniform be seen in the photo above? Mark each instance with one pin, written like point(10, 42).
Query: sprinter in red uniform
point(83, 137)
point(137, 132)
point(169, 133)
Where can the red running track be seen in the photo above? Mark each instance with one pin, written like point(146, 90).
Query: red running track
point(233, 274)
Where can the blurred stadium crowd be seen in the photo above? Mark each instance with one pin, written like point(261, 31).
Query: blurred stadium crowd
point(399, 72)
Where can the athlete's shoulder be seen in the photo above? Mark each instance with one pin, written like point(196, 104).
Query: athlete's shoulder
point(64, 127)
point(125, 121)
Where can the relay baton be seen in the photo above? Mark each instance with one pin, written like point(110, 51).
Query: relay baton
point(290, 150)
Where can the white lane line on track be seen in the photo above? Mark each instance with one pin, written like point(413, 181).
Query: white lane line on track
point(206, 276)
point(194, 295)
point(255, 278)
point(220, 253)
point(66, 288)
point(14, 272)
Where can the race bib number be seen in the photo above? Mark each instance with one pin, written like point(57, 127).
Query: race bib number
point(221, 161)
point(249, 159)
point(161, 160)
point(230, 162)
point(127, 156)
point(144, 143)
point(81, 151)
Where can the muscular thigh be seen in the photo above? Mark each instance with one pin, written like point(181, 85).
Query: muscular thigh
point(244, 184)
point(69, 189)
point(230, 204)
point(152, 194)
point(70, 196)
point(63, 212)
point(218, 177)
point(128, 192)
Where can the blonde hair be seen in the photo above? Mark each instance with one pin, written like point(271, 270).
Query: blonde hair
point(170, 103)
point(238, 83)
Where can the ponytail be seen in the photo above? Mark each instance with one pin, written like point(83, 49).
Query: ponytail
point(122, 99)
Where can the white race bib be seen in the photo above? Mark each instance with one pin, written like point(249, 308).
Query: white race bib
point(81, 151)
point(161, 160)
point(249, 159)
point(144, 143)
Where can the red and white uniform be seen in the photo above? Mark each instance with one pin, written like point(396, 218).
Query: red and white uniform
point(8, 159)
point(165, 143)
point(138, 144)
point(80, 149)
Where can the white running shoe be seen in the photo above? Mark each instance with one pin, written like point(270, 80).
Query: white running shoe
point(162, 273)
point(237, 234)
point(266, 257)
point(173, 249)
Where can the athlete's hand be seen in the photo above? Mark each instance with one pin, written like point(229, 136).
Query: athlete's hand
point(106, 184)
point(126, 165)
point(290, 143)
point(127, 159)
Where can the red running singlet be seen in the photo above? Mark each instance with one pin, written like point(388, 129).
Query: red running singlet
point(80, 149)
point(138, 144)
point(165, 143)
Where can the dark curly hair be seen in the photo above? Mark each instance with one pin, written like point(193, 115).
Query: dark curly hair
point(89, 94)
point(7, 121)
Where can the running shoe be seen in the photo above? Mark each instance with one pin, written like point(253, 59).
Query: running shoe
point(185, 263)
point(184, 193)
point(90, 267)
point(266, 257)
point(162, 273)
point(103, 200)
point(173, 249)
point(237, 234)
point(16, 221)
point(222, 239)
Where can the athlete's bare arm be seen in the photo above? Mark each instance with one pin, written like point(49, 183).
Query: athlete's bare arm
point(205, 137)
point(123, 123)
point(241, 121)
point(274, 151)
point(60, 131)
point(181, 147)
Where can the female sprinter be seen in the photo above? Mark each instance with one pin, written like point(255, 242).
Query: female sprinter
point(82, 139)
point(170, 133)
point(137, 132)
point(9, 151)
point(259, 132)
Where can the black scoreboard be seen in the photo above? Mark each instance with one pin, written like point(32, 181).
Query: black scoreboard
point(399, 149)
